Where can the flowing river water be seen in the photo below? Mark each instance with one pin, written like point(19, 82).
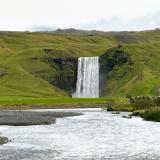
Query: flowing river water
point(96, 135)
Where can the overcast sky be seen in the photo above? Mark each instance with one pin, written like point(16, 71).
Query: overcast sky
point(83, 14)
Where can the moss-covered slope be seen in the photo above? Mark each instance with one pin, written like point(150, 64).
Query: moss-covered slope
point(27, 66)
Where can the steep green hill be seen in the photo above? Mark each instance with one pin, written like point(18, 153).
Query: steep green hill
point(27, 67)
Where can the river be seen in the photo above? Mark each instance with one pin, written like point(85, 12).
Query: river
point(96, 135)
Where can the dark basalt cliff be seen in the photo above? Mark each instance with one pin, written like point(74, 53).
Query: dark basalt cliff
point(68, 73)
point(65, 70)
point(111, 59)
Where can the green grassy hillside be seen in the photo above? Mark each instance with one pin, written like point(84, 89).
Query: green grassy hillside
point(142, 77)
point(24, 73)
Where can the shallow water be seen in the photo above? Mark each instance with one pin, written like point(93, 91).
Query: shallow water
point(96, 135)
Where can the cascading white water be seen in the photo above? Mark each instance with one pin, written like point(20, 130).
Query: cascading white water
point(88, 78)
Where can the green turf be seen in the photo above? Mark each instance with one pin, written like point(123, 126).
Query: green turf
point(16, 102)
point(8, 100)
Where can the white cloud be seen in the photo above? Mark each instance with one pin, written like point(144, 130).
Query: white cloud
point(19, 14)
point(149, 21)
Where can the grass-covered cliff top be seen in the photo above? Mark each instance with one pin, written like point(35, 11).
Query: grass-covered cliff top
point(22, 65)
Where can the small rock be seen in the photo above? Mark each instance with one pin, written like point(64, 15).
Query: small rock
point(4, 140)
point(117, 112)
point(127, 116)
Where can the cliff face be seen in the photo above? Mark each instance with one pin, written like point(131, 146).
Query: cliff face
point(109, 61)
point(65, 73)
point(67, 77)
point(65, 69)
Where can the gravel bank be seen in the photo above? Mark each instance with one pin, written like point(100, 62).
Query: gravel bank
point(26, 118)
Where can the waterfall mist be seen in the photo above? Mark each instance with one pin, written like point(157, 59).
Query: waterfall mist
point(87, 78)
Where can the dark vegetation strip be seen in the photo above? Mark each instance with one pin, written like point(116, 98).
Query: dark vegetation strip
point(146, 107)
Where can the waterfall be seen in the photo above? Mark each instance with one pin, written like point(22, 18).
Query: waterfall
point(87, 78)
